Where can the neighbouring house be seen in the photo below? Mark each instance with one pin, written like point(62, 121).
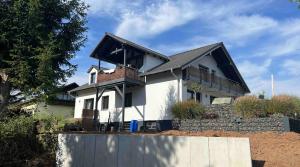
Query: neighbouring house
point(144, 84)
point(60, 104)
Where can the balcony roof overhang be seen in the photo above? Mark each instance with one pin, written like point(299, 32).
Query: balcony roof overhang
point(110, 49)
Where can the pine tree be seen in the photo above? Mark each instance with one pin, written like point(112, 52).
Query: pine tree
point(38, 38)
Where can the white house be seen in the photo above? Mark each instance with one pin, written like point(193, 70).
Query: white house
point(144, 84)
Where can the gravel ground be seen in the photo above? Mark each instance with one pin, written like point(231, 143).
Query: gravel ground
point(268, 149)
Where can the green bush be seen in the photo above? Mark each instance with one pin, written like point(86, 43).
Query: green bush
point(24, 137)
point(284, 104)
point(18, 140)
point(188, 110)
point(250, 106)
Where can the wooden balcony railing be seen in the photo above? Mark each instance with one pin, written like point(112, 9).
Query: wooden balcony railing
point(213, 81)
point(118, 73)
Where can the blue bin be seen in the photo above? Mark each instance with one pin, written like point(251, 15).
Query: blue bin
point(133, 126)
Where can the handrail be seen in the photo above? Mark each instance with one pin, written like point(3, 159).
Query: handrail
point(221, 83)
point(120, 72)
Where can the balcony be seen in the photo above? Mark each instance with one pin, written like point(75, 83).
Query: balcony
point(213, 82)
point(120, 73)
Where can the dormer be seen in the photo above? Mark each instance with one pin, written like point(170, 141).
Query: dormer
point(93, 74)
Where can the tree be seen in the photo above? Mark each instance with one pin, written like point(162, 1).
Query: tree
point(296, 1)
point(38, 38)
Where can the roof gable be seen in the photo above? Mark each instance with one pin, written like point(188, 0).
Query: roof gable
point(181, 59)
point(112, 42)
point(218, 52)
point(96, 67)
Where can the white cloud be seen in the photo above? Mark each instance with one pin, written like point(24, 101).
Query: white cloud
point(192, 43)
point(236, 23)
point(143, 19)
point(241, 28)
point(281, 86)
point(258, 77)
point(249, 69)
point(111, 8)
point(283, 40)
point(155, 19)
point(291, 67)
point(287, 86)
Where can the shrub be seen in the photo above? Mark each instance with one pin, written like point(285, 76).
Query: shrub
point(250, 106)
point(17, 139)
point(187, 110)
point(23, 137)
point(284, 104)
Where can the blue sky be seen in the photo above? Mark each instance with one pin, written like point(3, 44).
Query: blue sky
point(263, 36)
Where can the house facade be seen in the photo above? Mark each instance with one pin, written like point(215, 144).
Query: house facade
point(60, 104)
point(144, 84)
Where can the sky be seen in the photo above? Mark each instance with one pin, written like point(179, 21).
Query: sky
point(262, 36)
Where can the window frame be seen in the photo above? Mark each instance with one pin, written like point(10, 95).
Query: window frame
point(93, 77)
point(213, 76)
point(190, 95)
point(195, 96)
point(204, 71)
point(85, 103)
point(104, 105)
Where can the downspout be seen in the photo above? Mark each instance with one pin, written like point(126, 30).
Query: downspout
point(178, 84)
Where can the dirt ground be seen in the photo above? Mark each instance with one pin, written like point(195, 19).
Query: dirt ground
point(268, 149)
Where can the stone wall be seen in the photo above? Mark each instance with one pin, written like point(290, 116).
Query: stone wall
point(224, 111)
point(280, 124)
point(228, 121)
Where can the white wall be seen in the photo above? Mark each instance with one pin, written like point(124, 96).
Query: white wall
point(161, 90)
point(79, 100)
point(149, 102)
point(150, 62)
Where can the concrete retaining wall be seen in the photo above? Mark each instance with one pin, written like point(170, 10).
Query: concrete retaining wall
point(151, 151)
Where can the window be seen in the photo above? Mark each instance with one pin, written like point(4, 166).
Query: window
point(191, 96)
point(198, 97)
point(128, 99)
point(105, 102)
point(203, 73)
point(89, 104)
point(93, 77)
point(213, 74)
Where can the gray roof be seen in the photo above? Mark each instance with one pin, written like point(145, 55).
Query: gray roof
point(82, 87)
point(181, 59)
point(96, 67)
